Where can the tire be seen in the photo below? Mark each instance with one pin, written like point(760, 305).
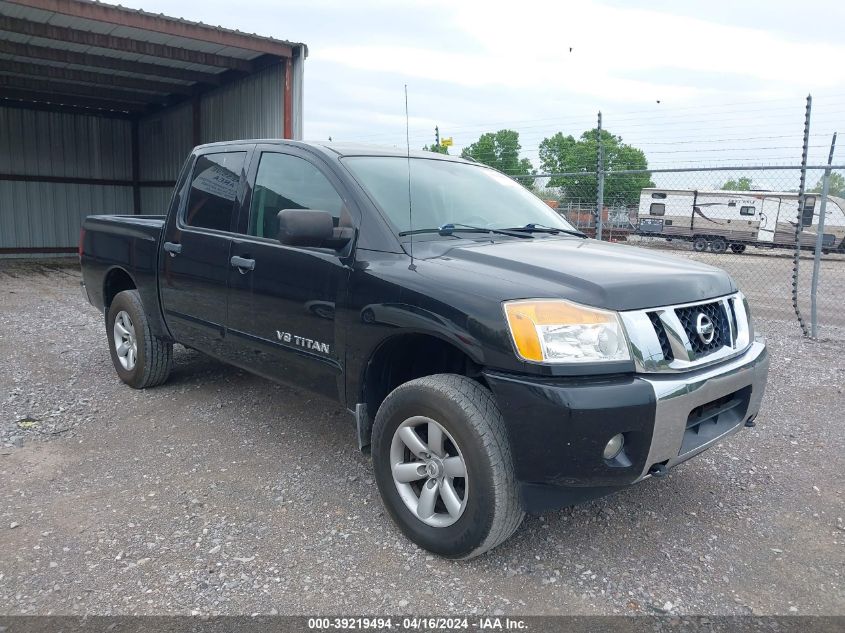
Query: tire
point(147, 359)
point(699, 244)
point(738, 248)
point(475, 434)
point(718, 245)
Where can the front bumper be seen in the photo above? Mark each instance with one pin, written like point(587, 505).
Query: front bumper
point(677, 396)
point(558, 427)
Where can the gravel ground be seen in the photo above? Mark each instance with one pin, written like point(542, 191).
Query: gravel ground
point(220, 492)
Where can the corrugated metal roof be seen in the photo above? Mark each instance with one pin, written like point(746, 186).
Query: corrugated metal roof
point(81, 35)
point(28, 9)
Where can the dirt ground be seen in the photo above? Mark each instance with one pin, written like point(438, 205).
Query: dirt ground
point(220, 492)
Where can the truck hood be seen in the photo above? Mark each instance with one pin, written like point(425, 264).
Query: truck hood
point(586, 271)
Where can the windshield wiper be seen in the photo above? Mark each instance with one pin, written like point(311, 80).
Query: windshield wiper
point(451, 228)
point(542, 228)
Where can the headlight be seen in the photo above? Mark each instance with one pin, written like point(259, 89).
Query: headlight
point(558, 331)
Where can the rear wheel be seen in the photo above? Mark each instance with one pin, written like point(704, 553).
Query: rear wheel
point(738, 248)
point(140, 358)
point(443, 466)
point(699, 244)
point(718, 245)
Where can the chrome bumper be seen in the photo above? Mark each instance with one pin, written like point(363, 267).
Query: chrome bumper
point(677, 395)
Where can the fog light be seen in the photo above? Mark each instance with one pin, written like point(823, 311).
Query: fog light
point(614, 446)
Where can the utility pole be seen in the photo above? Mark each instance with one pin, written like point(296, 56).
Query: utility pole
point(436, 136)
point(600, 180)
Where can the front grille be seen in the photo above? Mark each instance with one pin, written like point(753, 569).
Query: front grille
point(661, 335)
point(715, 311)
point(666, 338)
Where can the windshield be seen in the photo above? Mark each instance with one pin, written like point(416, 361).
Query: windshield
point(446, 192)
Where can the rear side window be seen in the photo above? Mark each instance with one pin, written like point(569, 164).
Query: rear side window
point(288, 182)
point(746, 210)
point(657, 208)
point(214, 187)
point(658, 196)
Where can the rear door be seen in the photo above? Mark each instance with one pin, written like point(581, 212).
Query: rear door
point(194, 262)
point(282, 299)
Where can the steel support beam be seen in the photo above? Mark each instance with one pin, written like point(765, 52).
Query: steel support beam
point(69, 100)
point(48, 54)
point(196, 121)
point(287, 124)
point(123, 44)
point(160, 24)
point(135, 139)
point(73, 180)
point(64, 109)
point(88, 77)
point(66, 180)
point(57, 90)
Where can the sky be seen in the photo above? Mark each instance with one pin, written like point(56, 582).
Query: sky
point(691, 83)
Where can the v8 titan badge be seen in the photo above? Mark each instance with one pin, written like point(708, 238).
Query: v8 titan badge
point(301, 341)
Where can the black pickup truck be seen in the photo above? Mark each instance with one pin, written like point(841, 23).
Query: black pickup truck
point(495, 360)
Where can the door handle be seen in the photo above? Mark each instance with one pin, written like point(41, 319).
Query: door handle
point(173, 248)
point(242, 264)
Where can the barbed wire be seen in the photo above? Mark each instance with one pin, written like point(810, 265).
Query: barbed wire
point(621, 116)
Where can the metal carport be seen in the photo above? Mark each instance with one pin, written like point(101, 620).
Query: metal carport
point(100, 104)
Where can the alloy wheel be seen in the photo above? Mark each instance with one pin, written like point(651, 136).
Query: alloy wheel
point(429, 471)
point(125, 343)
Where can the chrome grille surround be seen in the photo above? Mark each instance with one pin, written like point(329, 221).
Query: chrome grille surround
point(644, 338)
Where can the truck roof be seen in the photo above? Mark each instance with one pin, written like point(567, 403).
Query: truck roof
point(343, 149)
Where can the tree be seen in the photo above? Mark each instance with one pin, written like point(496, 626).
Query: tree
point(437, 149)
point(743, 183)
point(562, 154)
point(836, 186)
point(500, 150)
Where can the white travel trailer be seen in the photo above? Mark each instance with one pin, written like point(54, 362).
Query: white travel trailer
point(720, 219)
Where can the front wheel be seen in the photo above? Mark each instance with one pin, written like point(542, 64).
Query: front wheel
point(140, 358)
point(443, 466)
point(699, 244)
point(738, 248)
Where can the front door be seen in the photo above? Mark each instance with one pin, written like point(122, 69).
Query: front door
point(194, 262)
point(769, 211)
point(282, 299)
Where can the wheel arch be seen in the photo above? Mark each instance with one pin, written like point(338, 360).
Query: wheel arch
point(116, 280)
point(403, 357)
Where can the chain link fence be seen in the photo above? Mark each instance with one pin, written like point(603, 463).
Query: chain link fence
point(744, 220)
point(737, 186)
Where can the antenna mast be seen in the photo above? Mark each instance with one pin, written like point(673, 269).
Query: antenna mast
point(410, 206)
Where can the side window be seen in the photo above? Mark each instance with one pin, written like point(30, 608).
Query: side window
point(288, 182)
point(214, 187)
point(657, 208)
point(746, 210)
point(658, 196)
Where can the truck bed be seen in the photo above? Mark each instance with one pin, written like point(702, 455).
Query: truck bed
point(128, 242)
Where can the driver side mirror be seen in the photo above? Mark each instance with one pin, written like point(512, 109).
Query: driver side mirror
point(307, 227)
